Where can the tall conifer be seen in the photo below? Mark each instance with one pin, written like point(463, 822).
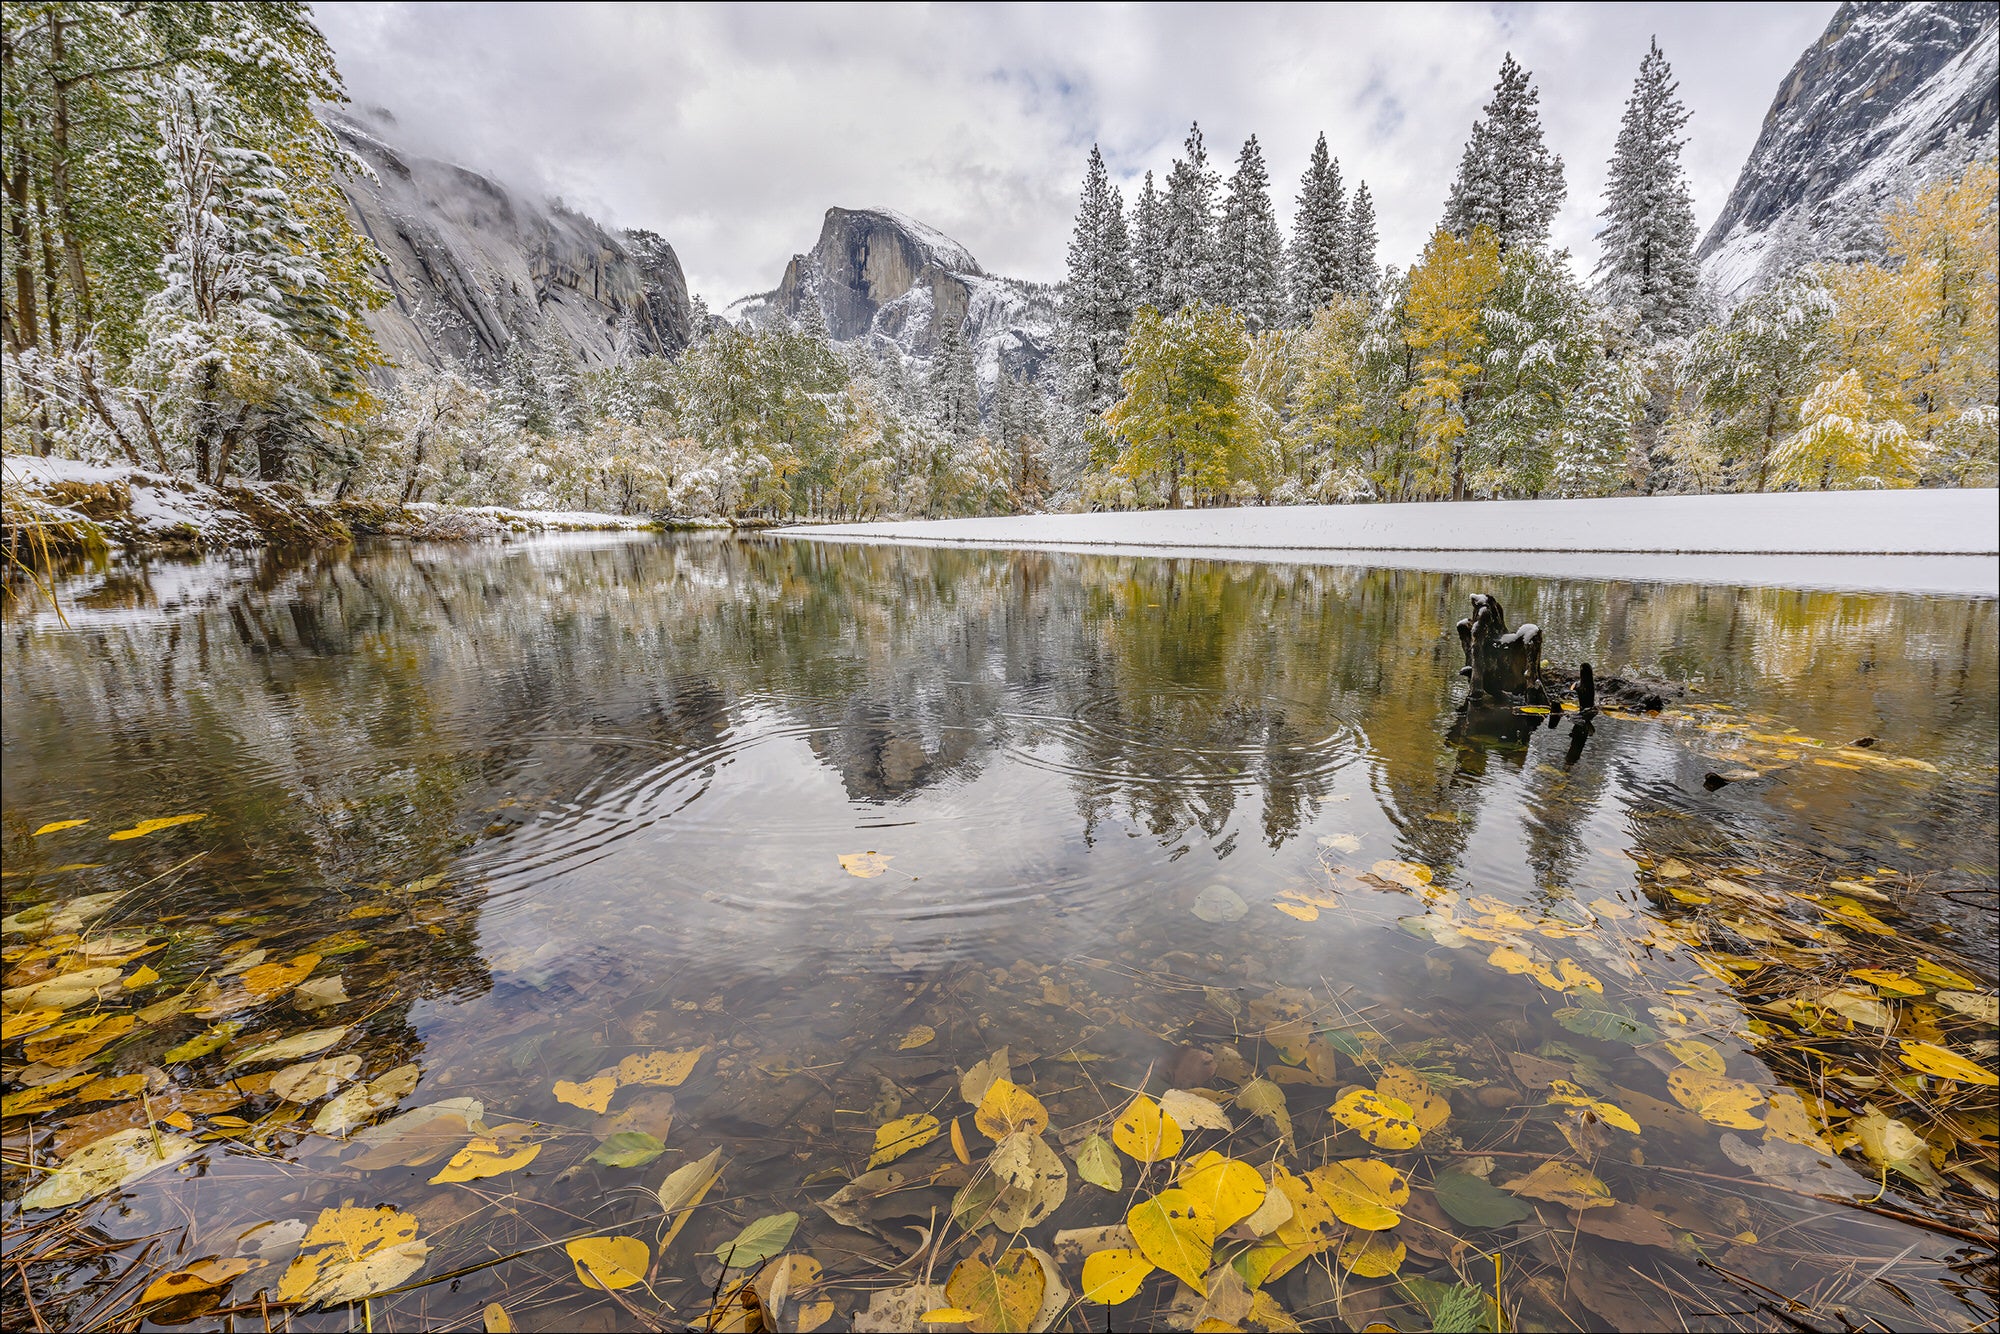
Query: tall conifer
point(1190, 268)
point(1148, 245)
point(1649, 234)
point(1251, 251)
point(1359, 275)
point(1319, 236)
point(1097, 298)
point(1508, 180)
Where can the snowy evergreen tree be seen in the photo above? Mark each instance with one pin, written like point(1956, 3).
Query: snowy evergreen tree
point(1359, 274)
point(1250, 250)
point(1320, 238)
point(954, 389)
point(1649, 236)
point(1508, 181)
point(1189, 261)
point(1097, 298)
point(1148, 246)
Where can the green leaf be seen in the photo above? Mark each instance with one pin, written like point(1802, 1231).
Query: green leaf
point(1476, 1202)
point(758, 1242)
point(1097, 1163)
point(1606, 1025)
point(628, 1148)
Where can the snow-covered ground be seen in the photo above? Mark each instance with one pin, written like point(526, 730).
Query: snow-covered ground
point(1915, 541)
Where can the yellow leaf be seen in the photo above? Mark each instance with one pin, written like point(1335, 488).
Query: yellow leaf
point(496, 1319)
point(142, 976)
point(111, 1090)
point(205, 1276)
point(154, 826)
point(1564, 1184)
point(1007, 1108)
point(948, 1315)
point(1429, 1107)
point(273, 979)
point(1305, 912)
point(19, 1023)
point(1175, 1233)
point(1362, 1192)
point(1374, 1254)
point(1387, 1123)
point(1228, 1191)
point(1892, 982)
point(920, 1036)
point(593, 1095)
point(1945, 1064)
point(351, 1254)
point(1564, 1093)
point(1937, 975)
point(903, 1135)
point(1146, 1133)
point(1510, 960)
point(1697, 1054)
point(178, 1120)
point(958, 1149)
point(1003, 1297)
point(487, 1156)
point(1539, 711)
point(609, 1262)
point(867, 865)
point(1716, 1099)
point(55, 826)
point(71, 1042)
point(1410, 875)
point(1572, 976)
point(665, 1069)
point(1113, 1276)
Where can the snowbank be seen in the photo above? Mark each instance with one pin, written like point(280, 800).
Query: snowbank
point(1915, 541)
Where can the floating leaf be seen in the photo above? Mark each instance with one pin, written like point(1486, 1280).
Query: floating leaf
point(661, 1069)
point(61, 992)
point(1006, 1108)
point(948, 1315)
point(1219, 904)
point(972, 1085)
point(309, 1081)
point(1191, 1111)
point(1228, 1191)
point(206, 1276)
point(1717, 1099)
point(267, 980)
point(70, 1043)
point(689, 1182)
point(351, 1254)
point(1698, 1054)
point(1972, 1004)
point(292, 1048)
point(1034, 1181)
point(1173, 1232)
point(1261, 1097)
point(958, 1149)
point(758, 1241)
point(1605, 1024)
point(142, 976)
point(57, 826)
point(1097, 1163)
point(420, 1135)
point(609, 1263)
point(1004, 1296)
point(627, 1148)
point(1373, 1254)
point(1896, 984)
point(1565, 1094)
point(1892, 1144)
point(902, 1135)
point(920, 1036)
point(1387, 1123)
point(319, 993)
point(154, 826)
point(1945, 1064)
point(593, 1095)
point(106, 1164)
point(1937, 975)
point(1113, 1276)
point(1146, 1133)
point(867, 865)
point(1410, 875)
point(111, 1090)
point(488, 1156)
point(1565, 1184)
point(1429, 1108)
point(358, 1102)
point(1362, 1192)
point(1475, 1201)
point(496, 1320)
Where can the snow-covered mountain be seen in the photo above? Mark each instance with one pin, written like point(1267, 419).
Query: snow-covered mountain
point(886, 279)
point(473, 265)
point(1890, 96)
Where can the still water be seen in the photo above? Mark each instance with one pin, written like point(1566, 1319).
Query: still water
point(499, 818)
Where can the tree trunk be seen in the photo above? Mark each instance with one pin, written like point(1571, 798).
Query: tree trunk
point(59, 183)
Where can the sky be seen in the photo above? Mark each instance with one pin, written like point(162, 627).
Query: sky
point(730, 129)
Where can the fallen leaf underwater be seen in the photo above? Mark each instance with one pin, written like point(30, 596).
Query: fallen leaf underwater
point(1370, 1079)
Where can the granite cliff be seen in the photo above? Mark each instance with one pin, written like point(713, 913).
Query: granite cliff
point(1889, 97)
point(472, 265)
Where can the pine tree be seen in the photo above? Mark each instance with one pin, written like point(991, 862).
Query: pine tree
point(1097, 298)
point(1250, 251)
point(1508, 181)
point(1358, 269)
point(954, 389)
point(1320, 237)
point(1148, 246)
point(1649, 235)
point(1190, 265)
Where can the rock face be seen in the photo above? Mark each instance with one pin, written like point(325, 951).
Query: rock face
point(1889, 97)
point(473, 266)
point(888, 280)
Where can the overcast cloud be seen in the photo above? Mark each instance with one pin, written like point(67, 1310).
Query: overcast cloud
point(731, 129)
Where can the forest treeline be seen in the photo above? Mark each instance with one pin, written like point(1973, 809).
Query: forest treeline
point(186, 291)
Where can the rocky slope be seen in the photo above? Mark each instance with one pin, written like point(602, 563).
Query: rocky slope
point(888, 280)
point(1890, 96)
point(473, 265)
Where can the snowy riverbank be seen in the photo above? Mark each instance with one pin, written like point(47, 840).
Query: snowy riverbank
point(1901, 541)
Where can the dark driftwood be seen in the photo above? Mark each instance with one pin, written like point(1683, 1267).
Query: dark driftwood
point(1500, 663)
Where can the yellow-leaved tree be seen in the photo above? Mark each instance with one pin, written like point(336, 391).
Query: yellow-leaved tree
point(1180, 423)
point(1449, 291)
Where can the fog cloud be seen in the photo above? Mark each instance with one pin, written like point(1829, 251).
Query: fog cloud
point(731, 129)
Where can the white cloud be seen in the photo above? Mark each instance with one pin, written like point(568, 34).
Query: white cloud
point(731, 129)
